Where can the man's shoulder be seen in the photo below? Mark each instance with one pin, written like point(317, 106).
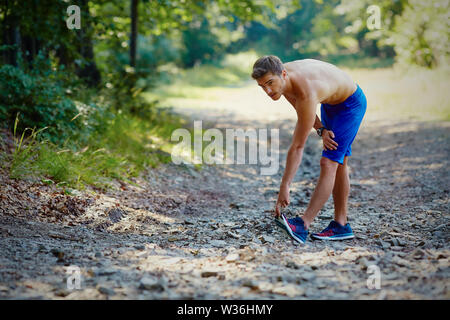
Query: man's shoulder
point(304, 62)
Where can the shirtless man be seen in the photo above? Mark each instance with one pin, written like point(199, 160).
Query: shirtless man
point(305, 84)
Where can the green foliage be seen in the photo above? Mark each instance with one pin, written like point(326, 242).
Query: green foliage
point(120, 148)
point(41, 99)
point(422, 34)
point(200, 44)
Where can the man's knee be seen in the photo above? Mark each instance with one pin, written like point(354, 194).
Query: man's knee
point(328, 165)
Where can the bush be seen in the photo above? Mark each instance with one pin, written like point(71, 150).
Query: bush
point(41, 100)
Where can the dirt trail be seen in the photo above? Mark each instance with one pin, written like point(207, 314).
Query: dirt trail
point(179, 233)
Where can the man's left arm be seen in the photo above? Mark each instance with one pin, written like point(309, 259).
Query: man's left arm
point(306, 118)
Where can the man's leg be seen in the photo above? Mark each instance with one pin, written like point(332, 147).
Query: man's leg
point(322, 191)
point(341, 191)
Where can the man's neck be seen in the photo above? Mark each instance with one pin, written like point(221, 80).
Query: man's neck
point(288, 91)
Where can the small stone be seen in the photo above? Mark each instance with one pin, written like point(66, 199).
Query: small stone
point(441, 256)
point(62, 293)
point(42, 248)
point(105, 272)
point(308, 276)
point(385, 245)
point(441, 227)
point(116, 214)
point(236, 206)
point(288, 290)
point(267, 239)
point(218, 243)
point(207, 274)
point(57, 252)
point(107, 291)
point(232, 257)
point(395, 242)
point(3, 288)
point(233, 235)
point(153, 284)
point(363, 262)
point(400, 262)
point(439, 234)
point(250, 284)
point(292, 265)
point(270, 193)
point(139, 247)
point(418, 254)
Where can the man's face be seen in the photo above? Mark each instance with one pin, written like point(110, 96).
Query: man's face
point(272, 84)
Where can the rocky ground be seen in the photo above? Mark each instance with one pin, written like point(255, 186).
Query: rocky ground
point(182, 233)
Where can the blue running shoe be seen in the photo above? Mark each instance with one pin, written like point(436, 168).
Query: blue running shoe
point(280, 223)
point(334, 231)
point(294, 227)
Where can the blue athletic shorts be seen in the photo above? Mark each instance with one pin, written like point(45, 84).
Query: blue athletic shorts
point(344, 120)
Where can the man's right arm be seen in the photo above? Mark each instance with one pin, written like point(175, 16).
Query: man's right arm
point(305, 122)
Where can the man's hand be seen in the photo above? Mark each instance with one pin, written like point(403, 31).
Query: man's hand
point(327, 139)
point(282, 201)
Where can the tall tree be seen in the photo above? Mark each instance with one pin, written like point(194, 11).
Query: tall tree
point(134, 32)
point(10, 31)
point(88, 69)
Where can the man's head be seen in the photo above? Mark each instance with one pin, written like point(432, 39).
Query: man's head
point(270, 74)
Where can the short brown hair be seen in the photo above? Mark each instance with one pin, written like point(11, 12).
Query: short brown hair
point(267, 64)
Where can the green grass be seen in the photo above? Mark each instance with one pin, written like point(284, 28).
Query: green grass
point(126, 147)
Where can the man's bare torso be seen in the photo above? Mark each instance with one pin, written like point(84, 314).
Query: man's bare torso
point(330, 84)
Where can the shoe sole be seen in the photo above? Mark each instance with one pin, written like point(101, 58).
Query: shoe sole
point(333, 238)
point(282, 222)
point(281, 225)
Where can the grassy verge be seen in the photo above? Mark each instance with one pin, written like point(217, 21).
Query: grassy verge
point(125, 147)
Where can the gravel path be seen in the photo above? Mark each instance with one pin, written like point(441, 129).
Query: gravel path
point(181, 233)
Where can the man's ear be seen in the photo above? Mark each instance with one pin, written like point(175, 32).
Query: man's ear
point(283, 74)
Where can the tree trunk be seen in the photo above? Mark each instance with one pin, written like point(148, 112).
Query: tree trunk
point(30, 48)
point(9, 36)
point(134, 32)
point(88, 70)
